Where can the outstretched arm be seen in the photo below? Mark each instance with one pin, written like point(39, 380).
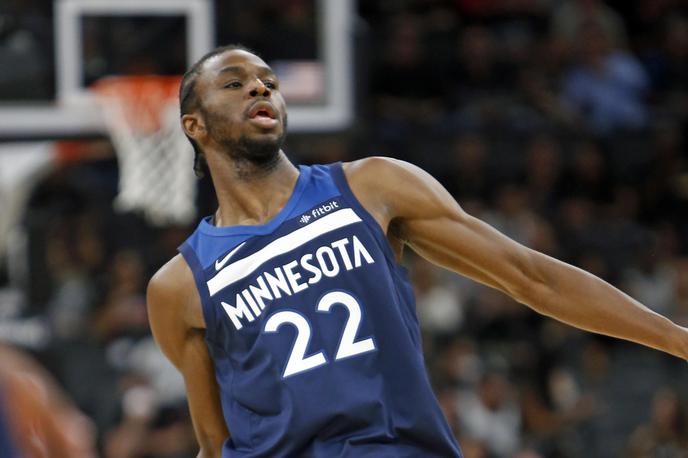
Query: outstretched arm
point(423, 215)
point(176, 319)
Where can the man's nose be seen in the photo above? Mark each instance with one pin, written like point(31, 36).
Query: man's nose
point(259, 89)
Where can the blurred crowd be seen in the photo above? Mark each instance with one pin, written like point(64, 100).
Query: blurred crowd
point(561, 123)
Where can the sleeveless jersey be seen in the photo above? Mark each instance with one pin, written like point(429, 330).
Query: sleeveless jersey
point(311, 325)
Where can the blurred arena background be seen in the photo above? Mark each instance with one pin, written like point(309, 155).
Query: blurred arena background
point(560, 122)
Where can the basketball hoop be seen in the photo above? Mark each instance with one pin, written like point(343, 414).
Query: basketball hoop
point(155, 159)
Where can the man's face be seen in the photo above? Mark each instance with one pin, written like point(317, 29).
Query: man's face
point(241, 105)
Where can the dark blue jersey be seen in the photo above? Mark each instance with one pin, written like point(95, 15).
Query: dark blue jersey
point(312, 328)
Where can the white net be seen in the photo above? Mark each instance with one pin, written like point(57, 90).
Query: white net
point(155, 158)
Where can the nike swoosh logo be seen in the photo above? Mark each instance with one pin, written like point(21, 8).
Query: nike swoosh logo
point(219, 264)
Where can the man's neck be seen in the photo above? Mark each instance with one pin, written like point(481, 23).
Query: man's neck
point(251, 195)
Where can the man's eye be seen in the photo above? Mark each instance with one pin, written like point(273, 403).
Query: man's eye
point(233, 84)
point(270, 84)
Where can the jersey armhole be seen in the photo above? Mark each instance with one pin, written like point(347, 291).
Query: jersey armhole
point(197, 270)
point(337, 173)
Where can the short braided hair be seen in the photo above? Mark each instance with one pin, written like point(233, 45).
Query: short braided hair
point(189, 101)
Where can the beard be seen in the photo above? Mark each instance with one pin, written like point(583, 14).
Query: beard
point(250, 155)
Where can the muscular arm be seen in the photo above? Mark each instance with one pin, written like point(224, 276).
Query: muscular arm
point(423, 215)
point(176, 319)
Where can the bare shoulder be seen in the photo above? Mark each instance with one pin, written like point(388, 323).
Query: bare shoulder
point(397, 188)
point(174, 278)
point(373, 181)
point(376, 172)
point(172, 291)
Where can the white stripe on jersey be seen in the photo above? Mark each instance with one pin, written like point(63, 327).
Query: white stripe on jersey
point(245, 266)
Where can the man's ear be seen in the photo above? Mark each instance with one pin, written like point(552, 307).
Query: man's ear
point(193, 126)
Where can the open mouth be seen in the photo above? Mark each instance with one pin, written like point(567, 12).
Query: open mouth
point(263, 115)
point(262, 112)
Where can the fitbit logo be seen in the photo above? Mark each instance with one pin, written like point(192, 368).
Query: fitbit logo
point(317, 212)
point(324, 209)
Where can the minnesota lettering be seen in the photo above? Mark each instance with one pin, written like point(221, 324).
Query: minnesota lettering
point(296, 276)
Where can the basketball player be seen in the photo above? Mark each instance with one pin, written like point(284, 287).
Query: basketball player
point(287, 311)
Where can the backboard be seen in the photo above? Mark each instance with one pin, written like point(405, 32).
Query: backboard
point(93, 37)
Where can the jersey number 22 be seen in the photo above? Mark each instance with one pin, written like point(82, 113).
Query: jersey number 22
point(348, 345)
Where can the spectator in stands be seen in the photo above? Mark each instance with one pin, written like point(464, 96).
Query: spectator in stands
point(605, 87)
point(667, 63)
point(479, 82)
point(665, 434)
point(543, 173)
point(652, 278)
point(401, 79)
point(491, 414)
point(568, 18)
point(441, 305)
point(467, 177)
